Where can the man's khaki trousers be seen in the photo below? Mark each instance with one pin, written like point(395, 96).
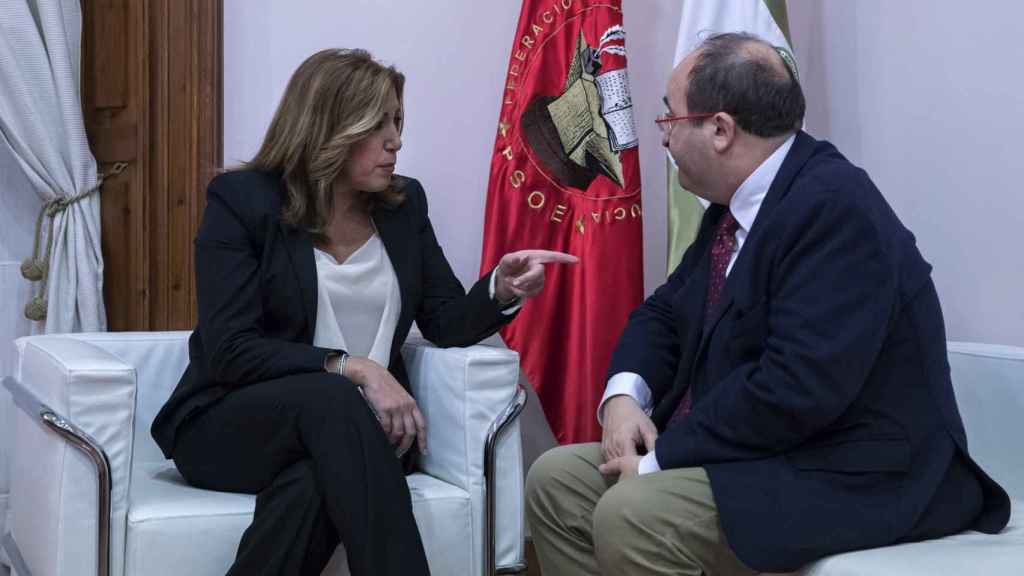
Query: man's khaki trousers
point(661, 523)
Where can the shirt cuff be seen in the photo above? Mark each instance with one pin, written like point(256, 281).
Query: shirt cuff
point(513, 306)
point(630, 384)
point(648, 464)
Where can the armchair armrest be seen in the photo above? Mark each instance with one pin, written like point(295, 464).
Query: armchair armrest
point(72, 447)
point(470, 398)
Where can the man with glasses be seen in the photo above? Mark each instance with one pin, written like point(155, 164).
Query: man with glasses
point(785, 395)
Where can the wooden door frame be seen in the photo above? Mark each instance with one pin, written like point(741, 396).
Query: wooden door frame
point(152, 97)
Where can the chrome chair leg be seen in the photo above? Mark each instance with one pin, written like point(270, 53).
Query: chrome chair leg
point(507, 416)
point(25, 400)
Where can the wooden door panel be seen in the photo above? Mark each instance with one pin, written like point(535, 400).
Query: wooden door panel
point(151, 86)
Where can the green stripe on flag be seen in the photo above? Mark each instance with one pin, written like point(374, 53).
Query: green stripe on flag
point(781, 17)
point(684, 215)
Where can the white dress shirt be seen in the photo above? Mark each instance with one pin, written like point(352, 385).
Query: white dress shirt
point(516, 302)
point(745, 204)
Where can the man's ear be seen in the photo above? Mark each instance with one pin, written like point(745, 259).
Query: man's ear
point(724, 131)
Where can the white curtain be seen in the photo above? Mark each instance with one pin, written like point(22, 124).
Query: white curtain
point(41, 120)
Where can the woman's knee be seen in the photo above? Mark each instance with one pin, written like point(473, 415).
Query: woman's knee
point(300, 477)
point(295, 487)
point(324, 392)
point(330, 414)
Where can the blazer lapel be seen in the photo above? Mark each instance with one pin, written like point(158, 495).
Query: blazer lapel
point(689, 310)
point(394, 233)
point(689, 301)
point(799, 153)
point(299, 245)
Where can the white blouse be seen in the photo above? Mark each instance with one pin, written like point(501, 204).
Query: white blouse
point(358, 302)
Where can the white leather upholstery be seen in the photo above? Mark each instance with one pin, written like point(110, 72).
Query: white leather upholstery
point(112, 385)
point(53, 485)
point(158, 358)
point(10, 359)
point(989, 385)
point(477, 391)
point(967, 554)
point(166, 517)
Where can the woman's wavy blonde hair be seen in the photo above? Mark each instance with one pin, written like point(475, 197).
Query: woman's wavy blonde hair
point(335, 99)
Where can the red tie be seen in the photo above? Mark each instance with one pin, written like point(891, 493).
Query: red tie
point(721, 252)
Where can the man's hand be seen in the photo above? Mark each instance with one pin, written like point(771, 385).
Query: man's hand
point(625, 427)
point(521, 274)
point(623, 467)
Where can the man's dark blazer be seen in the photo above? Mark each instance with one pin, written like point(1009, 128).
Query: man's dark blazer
point(823, 411)
point(256, 288)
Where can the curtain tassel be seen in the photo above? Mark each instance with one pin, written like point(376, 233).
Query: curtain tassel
point(35, 268)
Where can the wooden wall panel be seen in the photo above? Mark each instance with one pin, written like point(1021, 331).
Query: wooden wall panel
point(151, 74)
point(113, 76)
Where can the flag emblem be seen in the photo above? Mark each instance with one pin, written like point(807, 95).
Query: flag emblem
point(565, 176)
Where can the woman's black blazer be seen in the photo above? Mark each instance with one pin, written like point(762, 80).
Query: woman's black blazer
point(256, 288)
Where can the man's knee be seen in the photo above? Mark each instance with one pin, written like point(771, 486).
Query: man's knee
point(638, 518)
point(622, 511)
point(556, 470)
point(540, 478)
point(550, 465)
point(626, 527)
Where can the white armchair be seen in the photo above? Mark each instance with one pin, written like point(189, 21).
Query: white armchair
point(92, 494)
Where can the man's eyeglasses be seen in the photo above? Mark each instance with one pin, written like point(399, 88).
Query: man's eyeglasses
point(665, 121)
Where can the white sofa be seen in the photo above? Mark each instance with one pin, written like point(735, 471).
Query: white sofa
point(109, 387)
point(989, 385)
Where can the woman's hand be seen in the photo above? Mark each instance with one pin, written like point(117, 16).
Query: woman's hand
point(521, 274)
point(397, 411)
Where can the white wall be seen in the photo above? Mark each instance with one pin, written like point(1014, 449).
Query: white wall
point(454, 54)
point(928, 97)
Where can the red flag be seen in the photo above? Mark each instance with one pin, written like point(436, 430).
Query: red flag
point(565, 176)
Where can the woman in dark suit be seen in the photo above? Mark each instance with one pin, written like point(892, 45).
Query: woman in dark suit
point(311, 264)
